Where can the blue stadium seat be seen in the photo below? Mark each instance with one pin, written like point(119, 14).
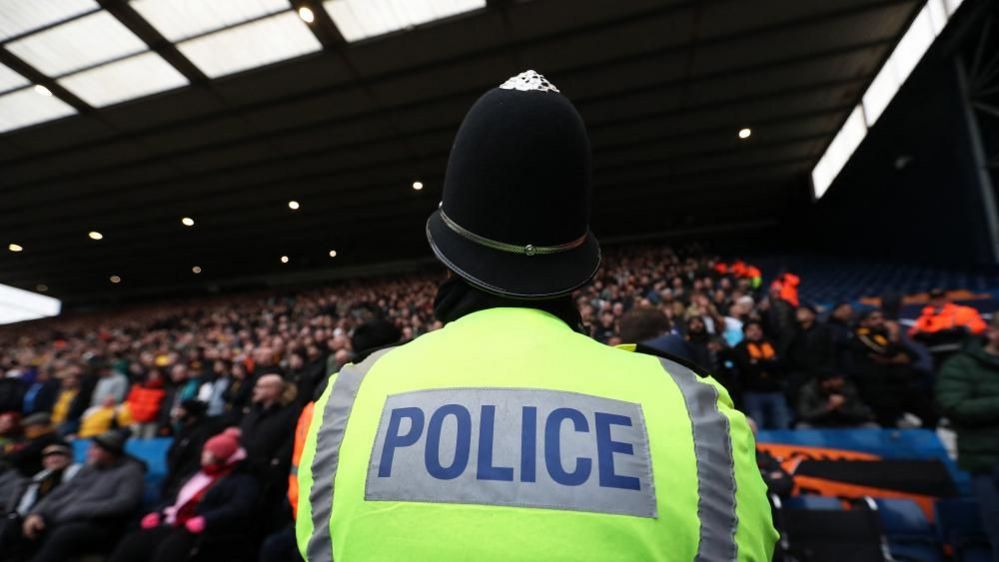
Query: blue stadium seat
point(960, 526)
point(910, 536)
point(814, 502)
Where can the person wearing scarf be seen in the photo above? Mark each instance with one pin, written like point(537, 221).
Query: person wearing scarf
point(761, 372)
point(215, 500)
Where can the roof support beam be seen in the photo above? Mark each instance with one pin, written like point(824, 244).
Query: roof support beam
point(36, 77)
point(152, 37)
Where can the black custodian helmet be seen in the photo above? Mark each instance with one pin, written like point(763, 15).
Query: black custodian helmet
point(514, 216)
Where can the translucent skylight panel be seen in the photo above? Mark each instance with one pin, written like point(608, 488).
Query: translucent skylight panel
point(360, 19)
point(21, 16)
point(26, 107)
point(261, 42)
point(879, 94)
point(181, 19)
point(912, 46)
point(10, 80)
point(838, 154)
point(77, 44)
point(122, 80)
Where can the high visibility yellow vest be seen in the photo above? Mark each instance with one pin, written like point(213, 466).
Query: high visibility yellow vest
point(507, 436)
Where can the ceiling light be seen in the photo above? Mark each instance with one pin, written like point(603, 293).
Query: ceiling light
point(24, 107)
point(284, 259)
point(41, 288)
point(80, 43)
point(417, 185)
point(196, 269)
point(39, 89)
point(15, 247)
point(250, 45)
point(745, 133)
point(187, 221)
point(360, 19)
point(332, 253)
point(293, 205)
point(116, 82)
point(94, 235)
point(306, 14)
point(178, 20)
point(115, 279)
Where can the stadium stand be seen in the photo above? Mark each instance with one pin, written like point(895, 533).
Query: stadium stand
point(215, 350)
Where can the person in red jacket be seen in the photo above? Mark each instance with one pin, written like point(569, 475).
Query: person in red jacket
point(144, 402)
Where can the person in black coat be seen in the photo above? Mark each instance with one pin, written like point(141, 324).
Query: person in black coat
point(184, 455)
point(269, 427)
point(213, 506)
point(812, 349)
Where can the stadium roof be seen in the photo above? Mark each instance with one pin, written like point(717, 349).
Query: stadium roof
point(123, 118)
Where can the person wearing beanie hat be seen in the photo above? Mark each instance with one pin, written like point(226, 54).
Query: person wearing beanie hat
point(510, 431)
point(217, 501)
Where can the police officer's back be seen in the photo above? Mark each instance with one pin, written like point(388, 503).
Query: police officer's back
point(508, 435)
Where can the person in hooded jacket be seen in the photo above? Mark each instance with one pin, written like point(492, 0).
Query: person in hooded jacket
point(216, 501)
point(968, 394)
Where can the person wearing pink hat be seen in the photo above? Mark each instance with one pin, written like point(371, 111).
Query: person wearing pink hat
point(212, 503)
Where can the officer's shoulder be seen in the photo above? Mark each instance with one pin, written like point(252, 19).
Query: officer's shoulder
point(666, 359)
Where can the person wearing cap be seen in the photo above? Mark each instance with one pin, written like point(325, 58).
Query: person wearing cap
point(210, 508)
point(968, 394)
point(59, 468)
point(89, 512)
point(26, 455)
point(509, 434)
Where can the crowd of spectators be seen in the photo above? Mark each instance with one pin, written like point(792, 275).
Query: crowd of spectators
point(226, 379)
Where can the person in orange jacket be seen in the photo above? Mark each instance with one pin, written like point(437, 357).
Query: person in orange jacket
point(144, 402)
point(787, 287)
point(944, 320)
point(301, 431)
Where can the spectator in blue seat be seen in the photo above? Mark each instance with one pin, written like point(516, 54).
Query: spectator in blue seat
point(968, 393)
point(213, 504)
point(829, 401)
point(761, 376)
point(87, 513)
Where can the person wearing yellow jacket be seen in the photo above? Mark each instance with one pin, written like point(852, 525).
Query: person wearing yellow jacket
point(509, 434)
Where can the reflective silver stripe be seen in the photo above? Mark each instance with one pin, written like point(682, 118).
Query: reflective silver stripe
point(715, 466)
point(527, 249)
point(327, 457)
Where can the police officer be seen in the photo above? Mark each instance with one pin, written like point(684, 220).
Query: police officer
point(509, 435)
